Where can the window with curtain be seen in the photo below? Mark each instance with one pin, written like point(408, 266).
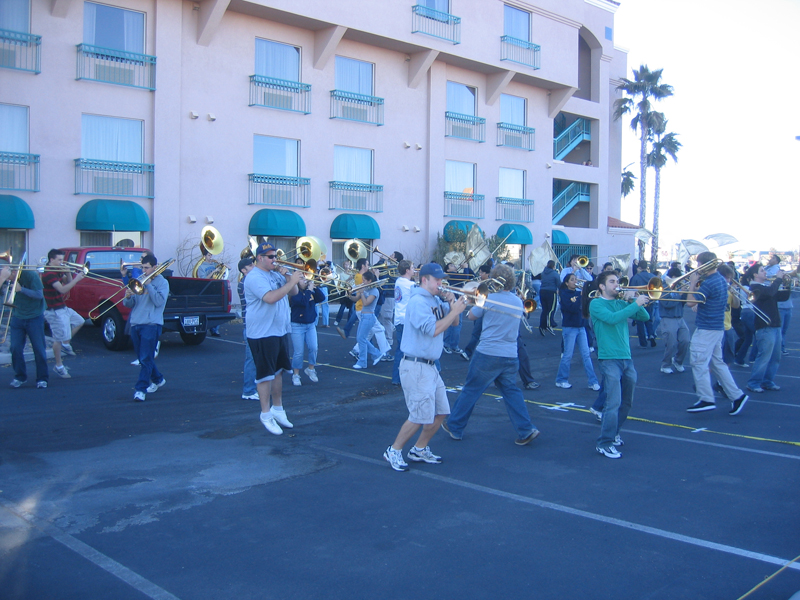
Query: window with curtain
point(459, 177)
point(16, 241)
point(512, 110)
point(114, 28)
point(15, 15)
point(517, 23)
point(111, 138)
point(275, 156)
point(13, 128)
point(280, 61)
point(461, 98)
point(353, 165)
point(512, 183)
point(440, 5)
point(354, 76)
point(96, 238)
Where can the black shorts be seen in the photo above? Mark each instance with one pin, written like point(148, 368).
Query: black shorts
point(270, 355)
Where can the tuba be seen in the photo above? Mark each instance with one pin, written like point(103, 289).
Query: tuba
point(355, 249)
point(310, 248)
point(211, 243)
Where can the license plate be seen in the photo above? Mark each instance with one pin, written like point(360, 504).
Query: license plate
point(191, 321)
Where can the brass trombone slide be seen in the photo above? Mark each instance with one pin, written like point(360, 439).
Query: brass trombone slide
point(747, 298)
point(478, 295)
point(136, 286)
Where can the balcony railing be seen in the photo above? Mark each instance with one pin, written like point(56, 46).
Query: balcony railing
point(20, 51)
point(567, 140)
point(19, 171)
point(355, 196)
point(458, 204)
point(436, 24)
point(564, 251)
point(280, 93)
point(514, 209)
point(465, 127)
point(111, 178)
point(356, 107)
point(117, 67)
point(519, 51)
point(516, 136)
point(278, 190)
point(563, 202)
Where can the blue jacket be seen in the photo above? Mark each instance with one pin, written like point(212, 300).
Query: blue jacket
point(550, 280)
point(571, 310)
point(304, 305)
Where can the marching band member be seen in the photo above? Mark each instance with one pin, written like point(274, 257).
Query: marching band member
point(64, 322)
point(548, 293)
point(673, 330)
point(249, 391)
point(773, 269)
point(573, 333)
point(27, 319)
point(402, 294)
point(768, 335)
point(303, 305)
point(457, 277)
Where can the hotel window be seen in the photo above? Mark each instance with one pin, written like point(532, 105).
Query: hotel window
point(512, 110)
point(275, 156)
point(114, 28)
point(517, 23)
point(111, 139)
point(354, 76)
point(459, 177)
point(461, 98)
point(512, 183)
point(352, 165)
point(276, 60)
point(15, 15)
point(13, 128)
point(440, 5)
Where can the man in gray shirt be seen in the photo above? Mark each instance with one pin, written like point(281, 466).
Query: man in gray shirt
point(427, 318)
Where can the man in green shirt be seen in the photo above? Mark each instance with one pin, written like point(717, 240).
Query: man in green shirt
point(610, 317)
point(27, 318)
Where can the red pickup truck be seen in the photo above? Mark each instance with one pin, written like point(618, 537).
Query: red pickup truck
point(193, 306)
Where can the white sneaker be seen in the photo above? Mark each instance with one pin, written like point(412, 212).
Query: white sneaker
point(595, 387)
point(138, 397)
point(566, 386)
point(296, 379)
point(598, 414)
point(135, 363)
point(667, 370)
point(678, 368)
point(67, 349)
point(250, 397)
point(377, 360)
point(312, 374)
point(153, 387)
point(280, 417)
point(62, 372)
point(269, 422)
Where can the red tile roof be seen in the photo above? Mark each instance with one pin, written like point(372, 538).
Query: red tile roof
point(612, 222)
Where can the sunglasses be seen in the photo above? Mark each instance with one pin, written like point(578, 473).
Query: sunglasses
point(271, 256)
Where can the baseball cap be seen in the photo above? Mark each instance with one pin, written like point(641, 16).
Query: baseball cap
point(432, 270)
point(264, 248)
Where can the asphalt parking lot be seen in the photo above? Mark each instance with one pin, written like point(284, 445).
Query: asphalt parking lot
point(188, 496)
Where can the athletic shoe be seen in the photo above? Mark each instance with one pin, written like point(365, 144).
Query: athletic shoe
point(679, 368)
point(158, 347)
point(596, 413)
point(618, 441)
point(395, 459)
point(62, 372)
point(738, 404)
point(701, 406)
point(424, 455)
point(269, 422)
point(353, 353)
point(41, 384)
point(667, 370)
point(447, 350)
point(463, 354)
point(450, 433)
point(541, 330)
point(744, 365)
point(296, 379)
point(377, 360)
point(653, 342)
point(214, 334)
point(550, 330)
point(528, 438)
point(15, 383)
point(280, 417)
point(336, 323)
point(138, 397)
point(532, 386)
point(757, 390)
point(312, 374)
point(772, 388)
point(387, 358)
point(67, 349)
point(358, 366)
point(595, 387)
point(564, 385)
point(784, 352)
point(341, 332)
point(153, 387)
point(135, 363)
point(609, 452)
point(591, 349)
point(250, 396)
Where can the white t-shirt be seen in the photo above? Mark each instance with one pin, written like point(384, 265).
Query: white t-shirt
point(402, 294)
point(263, 319)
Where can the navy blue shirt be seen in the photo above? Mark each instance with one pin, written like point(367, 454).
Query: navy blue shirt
point(711, 314)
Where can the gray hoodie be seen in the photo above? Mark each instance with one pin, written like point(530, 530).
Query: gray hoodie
point(148, 309)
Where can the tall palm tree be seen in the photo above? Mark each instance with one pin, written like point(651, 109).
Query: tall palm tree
point(628, 183)
point(646, 86)
point(665, 146)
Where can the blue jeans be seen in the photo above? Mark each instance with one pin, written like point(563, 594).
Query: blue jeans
point(144, 339)
point(645, 329)
point(477, 327)
point(398, 356)
point(483, 371)
point(304, 335)
point(362, 336)
point(34, 329)
point(786, 318)
point(619, 380)
point(749, 322)
point(571, 336)
point(351, 321)
point(600, 401)
point(768, 358)
point(249, 384)
point(452, 337)
point(323, 310)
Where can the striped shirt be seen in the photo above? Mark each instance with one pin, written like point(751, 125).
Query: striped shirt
point(52, 296)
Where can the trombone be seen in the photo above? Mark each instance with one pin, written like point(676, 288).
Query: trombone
point(8, 301)
point(136, 286)
point(747, 298)
point(478, 296)
point(703, 271)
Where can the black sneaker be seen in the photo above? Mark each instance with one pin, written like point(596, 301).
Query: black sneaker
point(701, 406)
point(653, 342)
point(450, 433)
point(738, 404)
point(532, 386)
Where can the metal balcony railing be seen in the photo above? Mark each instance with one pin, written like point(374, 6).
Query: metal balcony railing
point(20, 51)
point(356, 107)
point(565, 200)
point(458, 204)
point(436, 24)
point(565, 142)
point(564, 251)
point(514, 209)
point(465, 127)
point(516, 136)
point(278, 190)
point(364, 197)
point(111, 178)
point(19, 171)
point(116, 66)
point(280, 93)
point(519, 51)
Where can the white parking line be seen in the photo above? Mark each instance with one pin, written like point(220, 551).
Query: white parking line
point(662, 533)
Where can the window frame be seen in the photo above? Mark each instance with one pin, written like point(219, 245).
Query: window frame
point(373, 75)
point(27, 149)
point(124, 10)
point(371, 167)
point(529, 33)
point(524, 110)
point(474, 176)
point(468, 87)
point(299, 59)
point(142, 138)
point(297, 157)
point(524, 183)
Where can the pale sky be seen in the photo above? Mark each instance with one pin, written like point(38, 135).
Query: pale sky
point(733, 65)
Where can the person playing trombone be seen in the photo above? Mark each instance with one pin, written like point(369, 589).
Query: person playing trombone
point(767, 298)
point(64, 322)
point(27, 319)
point(673, 329)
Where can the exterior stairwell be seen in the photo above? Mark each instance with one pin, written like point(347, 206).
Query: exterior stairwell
point(567, 140)
point(566, 200)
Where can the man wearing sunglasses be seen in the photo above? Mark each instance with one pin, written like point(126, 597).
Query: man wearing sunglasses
point(268, 328)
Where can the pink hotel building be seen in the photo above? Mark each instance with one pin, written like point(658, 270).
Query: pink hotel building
point(392, 121)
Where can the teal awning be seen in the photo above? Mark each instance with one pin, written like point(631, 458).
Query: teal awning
point(452, 227)
point(15, 213)
point(272, 222)
point(347, 226)
point(559, 237)
point(112, 215)
point(519, 233)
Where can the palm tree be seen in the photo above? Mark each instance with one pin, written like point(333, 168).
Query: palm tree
point(628, 183)
point(665, 146)
point(646, 86)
